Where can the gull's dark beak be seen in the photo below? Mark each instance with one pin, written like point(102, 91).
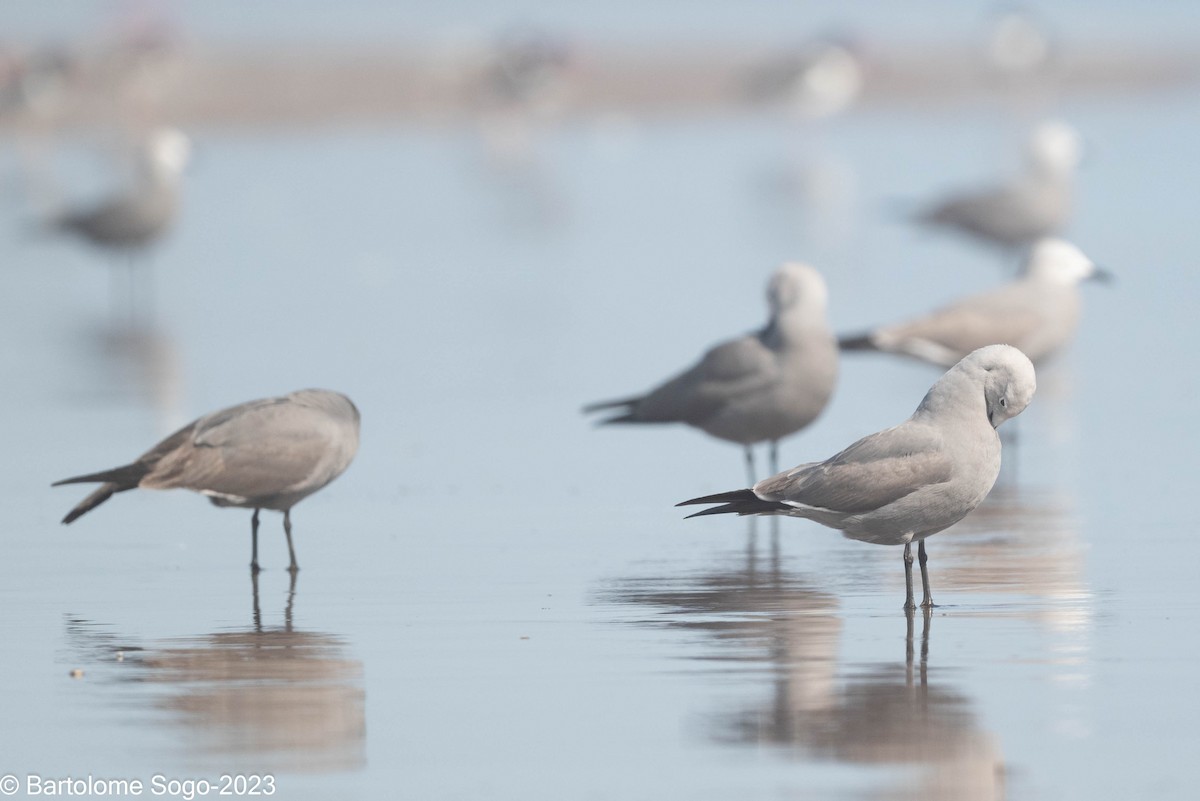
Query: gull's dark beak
point(1102, 275)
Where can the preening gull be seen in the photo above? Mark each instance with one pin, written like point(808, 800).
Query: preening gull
point(910, 481)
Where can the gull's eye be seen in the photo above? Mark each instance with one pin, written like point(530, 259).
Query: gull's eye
point(1004, 403)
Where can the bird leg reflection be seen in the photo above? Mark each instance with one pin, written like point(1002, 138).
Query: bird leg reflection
point(774, 446)
point(257, 607)
point(287, 529)
point(752, 544)
point(926, 616)
point(922, 558)
point(750, 466)
point(775, 542)
point(254, 568)
point(287, 610)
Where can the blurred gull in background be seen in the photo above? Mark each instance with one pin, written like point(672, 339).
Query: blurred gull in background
point(34, 84)
point(1037, 313)
point(1033, 205)
point(910, 481)
point(525, 80)
point(757, 388)
point(821, 79)
point(1019, 45)
point(133, 219)
point(263, 454)
point(130, 221)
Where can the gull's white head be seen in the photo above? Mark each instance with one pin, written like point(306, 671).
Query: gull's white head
point(830, 82)
point(1018, 44)
point(1008, 380)
point(1003, 375)
point(1058, 261)
point(168, 151)
point(1055, 147)
point(796, 286)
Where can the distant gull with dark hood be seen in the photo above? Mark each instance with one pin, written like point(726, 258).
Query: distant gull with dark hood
point(911, 481)
point(1037, 313)
point(264, 454)
point(760, 387)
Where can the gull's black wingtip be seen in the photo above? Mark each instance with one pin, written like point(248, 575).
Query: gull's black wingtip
point(738, 502)
point(724, 509)
point(721, 497)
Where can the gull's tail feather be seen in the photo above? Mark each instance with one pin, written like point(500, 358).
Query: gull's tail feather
point(126, 474)
point(102, 494)
point(118, 479)
point(857, 342)
point(624, 408)
point(610, 404)
point(739, 502)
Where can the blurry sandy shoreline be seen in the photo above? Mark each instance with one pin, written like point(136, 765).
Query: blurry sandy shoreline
point(204, 85)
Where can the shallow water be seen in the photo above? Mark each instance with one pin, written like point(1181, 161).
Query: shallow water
point(498, 600)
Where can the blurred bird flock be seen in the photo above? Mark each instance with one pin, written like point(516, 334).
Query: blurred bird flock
point(140, 94)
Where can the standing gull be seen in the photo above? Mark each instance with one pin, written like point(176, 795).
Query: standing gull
point(1037, 313)
point(757, 388)
point(910, 481)
point(821, 79)
point(130, 220)
point(1033, 205)
point(264, 454)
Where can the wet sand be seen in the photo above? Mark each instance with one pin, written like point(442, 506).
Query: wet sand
point(274, 85)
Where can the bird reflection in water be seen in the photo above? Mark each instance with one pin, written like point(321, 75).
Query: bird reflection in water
point(267, 698)
point(884, 714)
point(142, 363)
point(890, 715)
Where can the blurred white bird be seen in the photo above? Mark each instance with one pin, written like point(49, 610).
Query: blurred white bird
point(127, 223)
point(822, 79)
point(136, 217)
point(1018, 45)
point(1037, 313)
point(1031, 206)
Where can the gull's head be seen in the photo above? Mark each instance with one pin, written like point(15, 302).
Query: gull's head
point(796, 286)
point(1018, 44)
point(830, 81)
point(1007, 377)
point(1055, 147)
point(169, 150)
point(1060, 262)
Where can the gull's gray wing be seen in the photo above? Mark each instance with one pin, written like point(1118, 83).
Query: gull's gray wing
point(1012, 214)
point(1010, 314)
point(725, 373)
point(252, 450)
point(870, 474)
point(125, 219)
